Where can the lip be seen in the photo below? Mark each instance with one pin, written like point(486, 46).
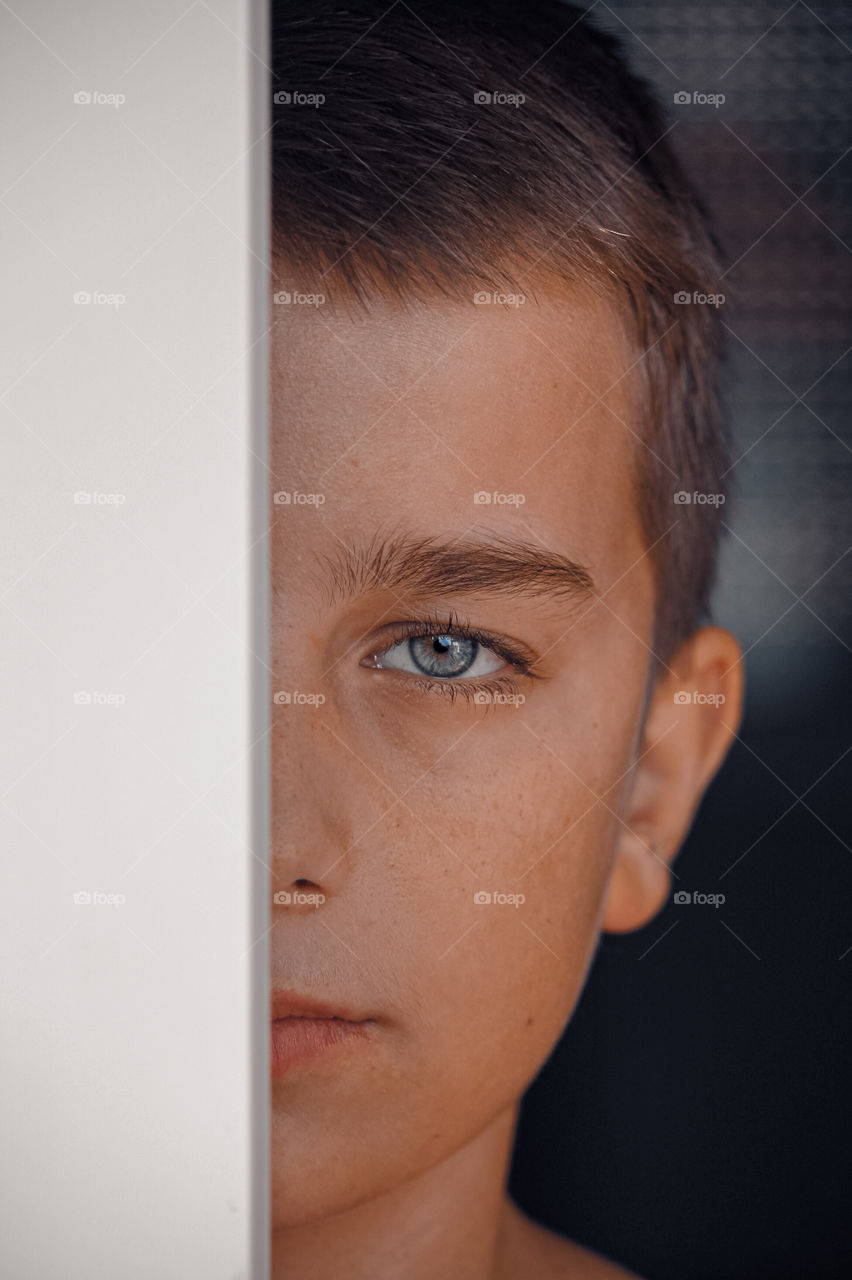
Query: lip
point(289, 1004)
point(304, 1030)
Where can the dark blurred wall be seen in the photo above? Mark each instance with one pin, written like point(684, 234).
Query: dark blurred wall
point(694, 1122)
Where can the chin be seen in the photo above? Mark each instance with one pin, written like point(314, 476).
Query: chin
point(302, 1193)
point(319, 1170)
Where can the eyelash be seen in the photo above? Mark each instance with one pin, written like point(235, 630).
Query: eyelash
point(432, 625)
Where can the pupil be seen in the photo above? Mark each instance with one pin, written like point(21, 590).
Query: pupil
point(445, 655)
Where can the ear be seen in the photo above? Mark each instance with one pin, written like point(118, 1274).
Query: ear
point(692, 719)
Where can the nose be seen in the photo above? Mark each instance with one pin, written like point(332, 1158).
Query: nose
point(325, 805)
point(326, 802)
point(300, 897)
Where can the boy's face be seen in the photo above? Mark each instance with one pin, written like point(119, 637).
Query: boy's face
point(399, 803)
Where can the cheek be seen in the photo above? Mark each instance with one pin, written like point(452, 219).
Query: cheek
point(507, 826)
point(486, 884)
point(524, 808)
point(493, 898)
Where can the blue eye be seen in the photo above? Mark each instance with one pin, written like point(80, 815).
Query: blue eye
point(441, 655)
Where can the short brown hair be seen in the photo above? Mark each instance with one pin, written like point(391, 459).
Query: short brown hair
point(402, 158)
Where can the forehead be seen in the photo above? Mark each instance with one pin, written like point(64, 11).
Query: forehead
point(411, 412)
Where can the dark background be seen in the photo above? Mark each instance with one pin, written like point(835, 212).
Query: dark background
point(694, 1121)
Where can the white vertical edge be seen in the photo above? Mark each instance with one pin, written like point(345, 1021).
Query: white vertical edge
point(134, 1092)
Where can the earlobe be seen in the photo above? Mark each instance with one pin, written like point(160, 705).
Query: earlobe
point(639, 884)
point(691, 722)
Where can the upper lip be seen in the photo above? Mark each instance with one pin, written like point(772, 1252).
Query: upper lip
point(289, 1004)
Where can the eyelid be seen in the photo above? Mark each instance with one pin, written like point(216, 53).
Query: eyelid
point(515, 653)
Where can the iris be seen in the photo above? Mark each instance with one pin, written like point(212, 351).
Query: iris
point(443, 655)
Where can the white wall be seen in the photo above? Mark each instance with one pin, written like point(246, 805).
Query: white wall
point(133, 1072)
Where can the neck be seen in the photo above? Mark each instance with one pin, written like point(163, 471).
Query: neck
point(446, 1221)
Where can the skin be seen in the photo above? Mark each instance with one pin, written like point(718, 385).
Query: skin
point(398, 803)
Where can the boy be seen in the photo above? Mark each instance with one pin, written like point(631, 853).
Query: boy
point(497, 703)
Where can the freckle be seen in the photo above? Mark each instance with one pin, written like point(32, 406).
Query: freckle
point(555, 385)
point(529, 1021)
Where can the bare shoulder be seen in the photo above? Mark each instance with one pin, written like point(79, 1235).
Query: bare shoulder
point(529, 1249)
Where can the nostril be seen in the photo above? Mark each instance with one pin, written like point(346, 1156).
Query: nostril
point(302, 883)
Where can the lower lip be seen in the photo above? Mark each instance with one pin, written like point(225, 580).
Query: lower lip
point(296, 1041)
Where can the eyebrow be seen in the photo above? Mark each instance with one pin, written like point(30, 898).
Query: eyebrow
point(501, 566)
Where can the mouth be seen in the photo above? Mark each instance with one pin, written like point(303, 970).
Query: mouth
point(305, 1031)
